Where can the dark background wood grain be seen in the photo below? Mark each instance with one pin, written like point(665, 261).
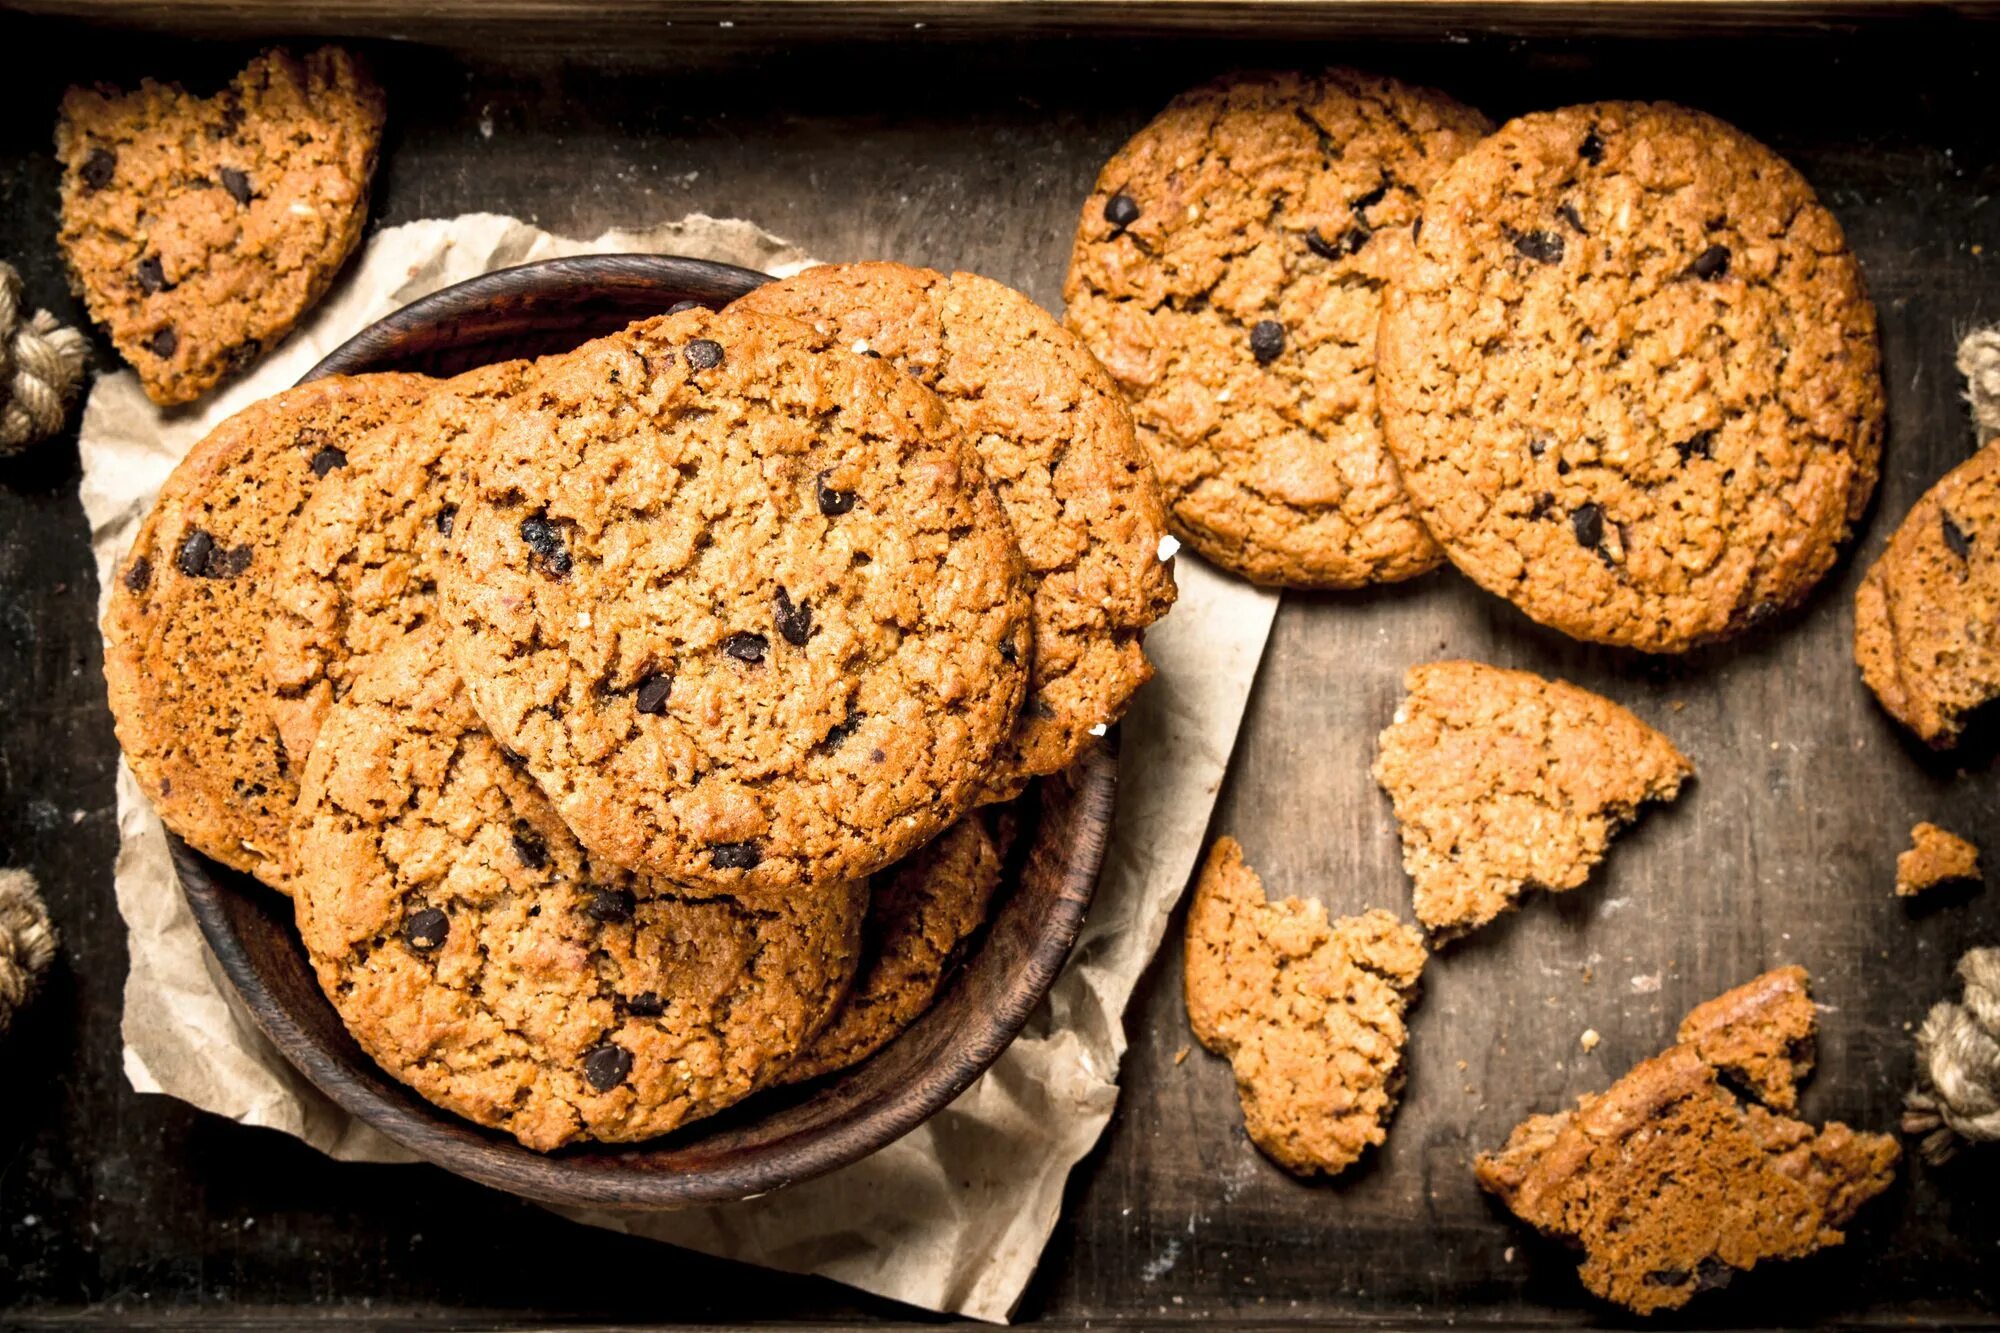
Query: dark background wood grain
point(960, 146)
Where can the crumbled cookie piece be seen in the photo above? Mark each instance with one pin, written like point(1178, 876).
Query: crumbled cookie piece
point(1503, 780)
point(1308, 1011)
point(198, 230)
point(1670, 1181)
point(1936, 856)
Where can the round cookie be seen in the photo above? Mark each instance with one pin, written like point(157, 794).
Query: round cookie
point(1228, 272)
point(1630, 375)
point(1057, 446)
point(481, 956)
point(920, 913)
point(747, 610)
point(188, 605)
point(359, 568)
point(1927, 616)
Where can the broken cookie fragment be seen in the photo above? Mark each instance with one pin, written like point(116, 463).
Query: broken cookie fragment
point(1936, 856)
point(1504, 781)
point(1676, 1177)
point(1308, 1010)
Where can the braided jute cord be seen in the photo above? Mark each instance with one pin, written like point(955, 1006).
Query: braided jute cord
point(1957, 1097)
point(41, 365)
point(27, 941)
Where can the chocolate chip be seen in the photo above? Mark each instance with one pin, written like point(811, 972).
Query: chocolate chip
point(445, 518)
point(653, 692)
point(1008, 652)
point(832, 503)
point(606, 1066)
point(1700, 445)
point(1267, 340)
point(1417, 229)
point(426, 929)
point(704, 354)
point(192, 558)
point(1956, 538)
point(327, 459)
point(1369, 200)
point(99, 167)
point(1544, 247)
point(1712, 262)
point(237, 184)
point(1121, 211)
point(608, 905)
point(1568, 213)
point(794, 622)
point(164, 343)
point(227, 564)
point(734, 855)
point(838, 733)
point(546, 542)
point(1349, 243)
point(682, 307)
point(1587, 521)
point(1538, 447)
point(746, 647)
point(152, 278)
point(1545, 503)
point(138, 574)
point(530, 847)
point(646, 1004)
point(1591, 149)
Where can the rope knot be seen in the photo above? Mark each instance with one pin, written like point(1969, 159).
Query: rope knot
point(1957, 1097)
point(41, 367)
point(1979, 362)
point(27, 941)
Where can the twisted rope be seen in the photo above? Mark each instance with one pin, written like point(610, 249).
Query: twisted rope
point(1979, 362)
point(1957, 1097)
point(41, 365)
point(27, 941)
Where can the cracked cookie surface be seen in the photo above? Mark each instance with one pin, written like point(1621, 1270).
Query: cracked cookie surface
point(1630, 375)
point(481, 956)
point(747, 609)
point(1927, 616)
point(1309, 1012)
point(1057, 446)
point(1670, 1182)
point(1228, 272)
point(1936, 856)
point(188, 607)
point(1502, 780)
point(198, 230)
point(359, 567)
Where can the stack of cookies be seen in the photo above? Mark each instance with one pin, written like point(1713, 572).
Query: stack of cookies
point(627, 726)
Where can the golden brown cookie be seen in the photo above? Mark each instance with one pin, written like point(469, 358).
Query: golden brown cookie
point(747, 609)
point(1228, 272)
point(1670, 1181)
point(1504, 781)
point(1927, 616)
point(478, 954)
point(1936, 856)
point(1631, 375)
point(186, 617)
point(921, 911)
point(198, 230)
point(1057, 446)
point(1309, 1012)
point(359, 568)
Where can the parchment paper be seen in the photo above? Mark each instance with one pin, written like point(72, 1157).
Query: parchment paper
point(953, 1217)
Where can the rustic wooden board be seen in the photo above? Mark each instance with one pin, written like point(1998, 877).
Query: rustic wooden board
point(977, 154)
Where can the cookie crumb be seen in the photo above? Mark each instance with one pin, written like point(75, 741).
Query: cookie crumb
point(1589, 1039)
point(1935, 857)
point(1180, 1056)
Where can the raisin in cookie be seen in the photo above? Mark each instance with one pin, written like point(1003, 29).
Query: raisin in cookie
point(478, 954)
point(1927, 616)
point(1309, 1012)
point(1678, 1175)
point(1228, 272)
point(747, 609)
point(198, 230)
point(921, 911)
point(359, 567)
point(1502, 780)
point(1631, 375)
point(1936, 856)
point(1057, 446)
point(188, 608)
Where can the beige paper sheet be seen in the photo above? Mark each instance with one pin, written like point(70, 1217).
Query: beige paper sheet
point(952, 1217)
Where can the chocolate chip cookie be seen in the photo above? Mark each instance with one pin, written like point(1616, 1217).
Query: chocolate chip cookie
point(1630, 375)
point(1309, 1012)
point(747, 608)
point(198, 230)
point(1228, 272)
point(1057, 446)
point(1677, 1177)
point(186, 617)
point(1503, 780)
point(1936, 856)
point(482, 957)
point(1927, 616)
point(359, 567)
point(921, 912)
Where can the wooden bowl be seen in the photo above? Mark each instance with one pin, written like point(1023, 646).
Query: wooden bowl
point(778, 1137)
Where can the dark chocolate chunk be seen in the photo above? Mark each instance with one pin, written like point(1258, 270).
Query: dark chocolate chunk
point(606, 1066)
point(237, 184)
point(1957, 538)
point(608, 905)
point(746, 647)
point(832, 503)
point(445, 518)
point(546, 542)
point(704, 354)
point(1350, 242)
point(1699, 445)
point(734, 855)
point(682, 307)
point(530, 847)
point(1568, 213)
point(1544, 247)
point(99, 167)
point(227, 564)
point(1587, 521)
point(152, 278)
point(327, 459)
point(1591, 149)
point(1267, 339)
point(1121, 211)
point(1008, 652)
point(138, 574)
point(1369, 200)
point(1545, 504)
point(164, 343)
point(192, 558)
point(1712, 262)
point(653, 692)
point(426, 928)
point(646, 1004)
point(795, 622)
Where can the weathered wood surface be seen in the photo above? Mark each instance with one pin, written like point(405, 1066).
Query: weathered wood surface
point(977, 154)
